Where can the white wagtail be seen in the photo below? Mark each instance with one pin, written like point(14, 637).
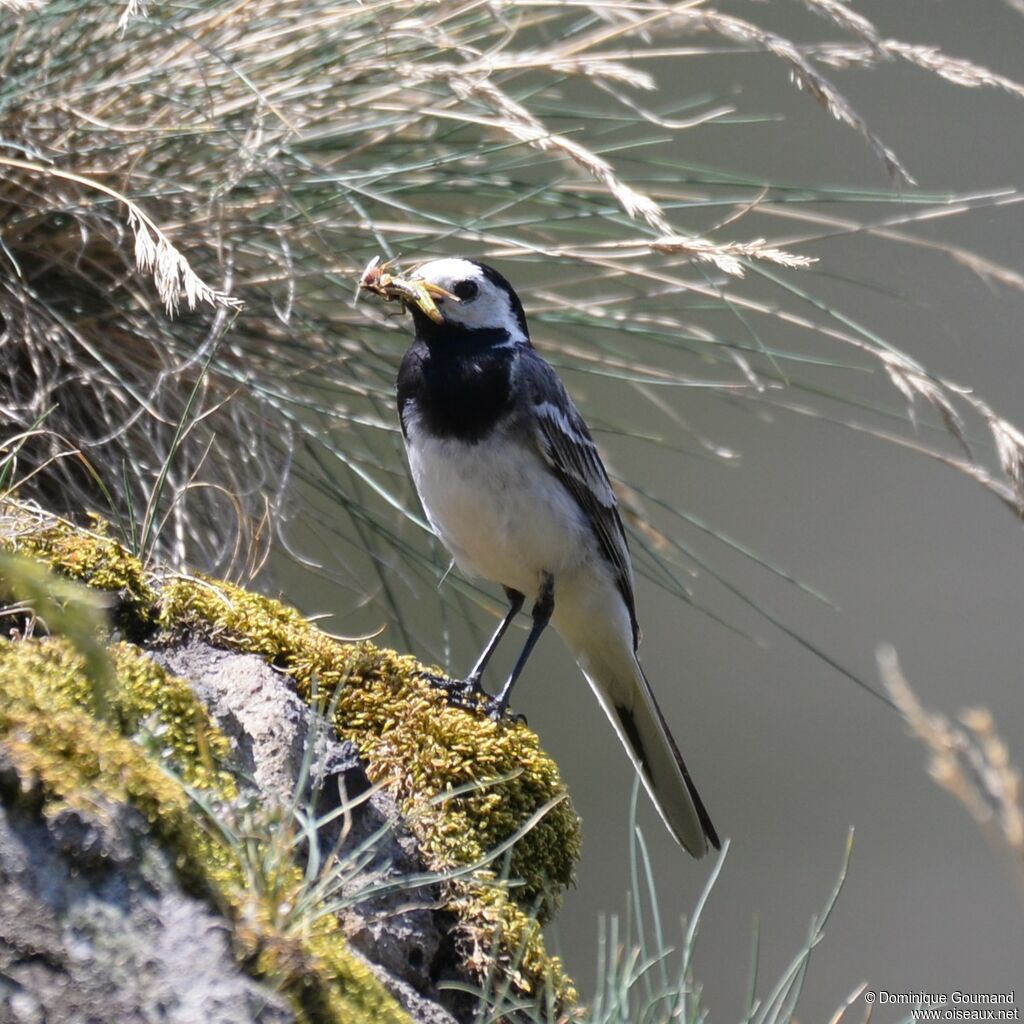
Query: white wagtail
point(514, 487)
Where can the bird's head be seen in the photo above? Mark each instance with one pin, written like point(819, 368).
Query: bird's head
point(454, 296)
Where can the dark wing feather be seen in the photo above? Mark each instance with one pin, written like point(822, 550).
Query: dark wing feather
point(566, 445)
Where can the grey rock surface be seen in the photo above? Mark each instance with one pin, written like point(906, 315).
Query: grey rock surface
point(256, 706)
point(94, 928)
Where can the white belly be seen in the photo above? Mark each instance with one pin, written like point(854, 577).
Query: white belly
point(499, 510)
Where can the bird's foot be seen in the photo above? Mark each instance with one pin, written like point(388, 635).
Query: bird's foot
point(463, 693)
point(470, 695)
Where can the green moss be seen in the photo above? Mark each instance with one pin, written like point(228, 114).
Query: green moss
point(465, 784)
point(497, 933)
point(91, 557)
point(325, 981)
point(166, 707)
point(51, 675)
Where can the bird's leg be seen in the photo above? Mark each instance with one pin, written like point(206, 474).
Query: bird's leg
point(543, 608)
point(470, 686)
point(515, 604)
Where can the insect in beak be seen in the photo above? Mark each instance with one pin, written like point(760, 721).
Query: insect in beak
point(378, 279)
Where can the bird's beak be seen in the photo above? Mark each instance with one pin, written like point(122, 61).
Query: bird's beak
point(379, 280)
point(425, 293)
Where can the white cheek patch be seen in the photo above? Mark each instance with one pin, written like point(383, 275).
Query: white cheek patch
point(490, 308)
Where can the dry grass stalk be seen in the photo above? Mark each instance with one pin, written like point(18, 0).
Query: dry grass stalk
point(132, 9)
point(914, 382)
point(851, 1000)
point(154, 252)
point(1009, 444)
point(804, 74)
point(520, 123)
point(1010, 448)
point(172, 273)
point(968, 759)
point(727, 256)
point(954, 69)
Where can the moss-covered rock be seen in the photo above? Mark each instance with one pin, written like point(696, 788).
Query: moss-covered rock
point(64, 758)
point(467, 784)
point(468, 787)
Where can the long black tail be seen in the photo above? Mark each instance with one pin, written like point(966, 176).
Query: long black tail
point(641, 726)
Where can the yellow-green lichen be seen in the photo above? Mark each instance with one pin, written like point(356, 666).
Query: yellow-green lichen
point(466, 784)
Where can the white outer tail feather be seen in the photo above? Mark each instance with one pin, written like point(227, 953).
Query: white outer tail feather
point(640, 725)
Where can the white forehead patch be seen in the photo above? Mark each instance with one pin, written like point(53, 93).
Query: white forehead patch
point(492, 308)
point(448, 271)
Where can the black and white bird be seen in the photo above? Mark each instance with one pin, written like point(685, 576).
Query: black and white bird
point(513, 485)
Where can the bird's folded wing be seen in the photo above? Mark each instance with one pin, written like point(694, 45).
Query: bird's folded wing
point(566, 445)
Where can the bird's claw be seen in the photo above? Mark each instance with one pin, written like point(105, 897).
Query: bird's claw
point(498, 710)
point(441, 682)
point(463, 693)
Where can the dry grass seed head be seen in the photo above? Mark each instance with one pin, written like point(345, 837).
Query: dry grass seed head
point(968, 759)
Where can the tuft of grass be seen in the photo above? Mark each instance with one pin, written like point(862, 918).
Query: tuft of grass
point(645, 980)
point(188, 159)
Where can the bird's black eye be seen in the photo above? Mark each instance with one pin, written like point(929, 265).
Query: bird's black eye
point(465, 291)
